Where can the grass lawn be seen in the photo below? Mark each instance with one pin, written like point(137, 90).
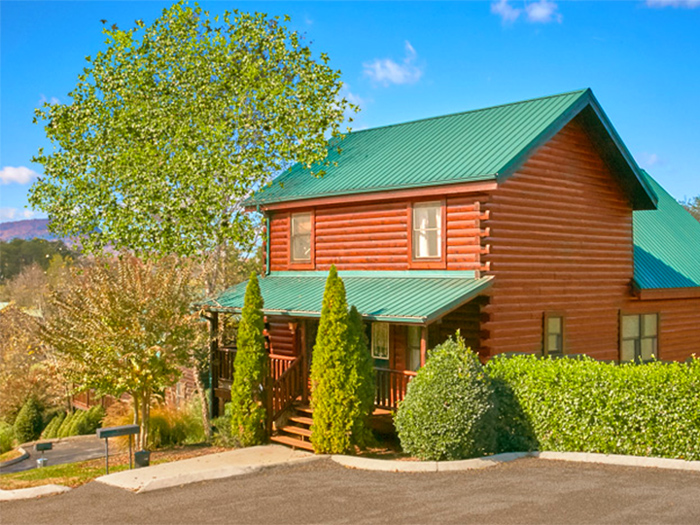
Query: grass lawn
point(76, 474)
point(10, 454)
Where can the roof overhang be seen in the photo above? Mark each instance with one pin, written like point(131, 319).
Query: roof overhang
point(410, 297)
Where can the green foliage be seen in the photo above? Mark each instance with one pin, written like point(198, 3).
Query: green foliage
point(174, 427)
point(29, 422)
point(7, 437)
point(449, 411)
point(77, 425)
point(250, 371)
point(173, 125)
point(17, 254)
point(64, 429)
point(583, 405)
point(341, 375)
point(93, 419)
point(51, 429)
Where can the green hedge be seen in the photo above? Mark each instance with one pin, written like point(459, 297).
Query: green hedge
point(7, 437)
point(29, 422)
point(584, 405)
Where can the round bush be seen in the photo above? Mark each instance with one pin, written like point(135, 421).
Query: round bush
point(7, 437)
point(448, 412)
point(29, 422)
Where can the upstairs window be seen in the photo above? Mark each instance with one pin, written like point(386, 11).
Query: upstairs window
point(639, 337)
point(427, 234)
point(553, 335)
point(301, 237)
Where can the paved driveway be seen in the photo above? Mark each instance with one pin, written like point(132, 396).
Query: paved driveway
point(78, 448)
point(525, 491)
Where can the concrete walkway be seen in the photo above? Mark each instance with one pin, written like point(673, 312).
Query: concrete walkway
point(204, 468)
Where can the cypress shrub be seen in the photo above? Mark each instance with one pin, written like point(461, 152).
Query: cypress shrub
point(64, 429)
point(53, 426)
point(342, 375)
point(28, 424)
point(250, 371)
point(584, 405)
point(449, 411)
point(93, 419)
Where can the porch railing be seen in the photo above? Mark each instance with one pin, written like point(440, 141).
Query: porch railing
point(279, 364)
point(286, 388)
point(391, 387)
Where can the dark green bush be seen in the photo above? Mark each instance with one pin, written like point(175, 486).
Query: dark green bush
point(449, 410)
point(248, 412)
point(93, 419)
point(341, 375)
point(584, 405)
point(53, 426)
point(7, 437)
point(64, 429)
point(77, 425)
point(29, 422)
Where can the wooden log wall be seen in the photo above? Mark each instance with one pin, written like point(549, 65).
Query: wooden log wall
point(282, 340)
point(561, 242)
point(376, 236)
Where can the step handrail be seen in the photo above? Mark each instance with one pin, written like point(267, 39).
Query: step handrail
point(283, 391)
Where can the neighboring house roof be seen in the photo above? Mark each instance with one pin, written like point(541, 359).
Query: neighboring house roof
point(485, 144)
point(666, 244)
point(400, 297)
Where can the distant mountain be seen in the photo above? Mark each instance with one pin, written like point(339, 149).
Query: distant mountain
point(28, 229)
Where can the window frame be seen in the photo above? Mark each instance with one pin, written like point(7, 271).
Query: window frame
point(410, 348)
point(546, 351)
point(638, 340)
point(383, 326)
point(302, 264)
point(438, 262)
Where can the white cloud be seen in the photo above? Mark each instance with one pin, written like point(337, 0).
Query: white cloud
point(539, 12)
point(385, 71)
point(16, 214)
point(52, 100)
point(507, 12)
point(20, 175)
point(688, 4)
point(543, 12)
point(649, 160)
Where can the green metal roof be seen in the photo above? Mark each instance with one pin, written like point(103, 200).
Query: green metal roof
point(399, 297)
point(485, 144)
point(666, 244)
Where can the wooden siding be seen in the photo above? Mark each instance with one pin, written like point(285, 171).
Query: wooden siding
point(561, 242)
point(282, 340)
point(376, 236)
point(466, 319)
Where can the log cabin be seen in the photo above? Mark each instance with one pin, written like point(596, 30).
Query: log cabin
point(528, 227)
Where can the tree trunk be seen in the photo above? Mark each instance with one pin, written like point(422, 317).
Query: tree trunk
point(203, 401)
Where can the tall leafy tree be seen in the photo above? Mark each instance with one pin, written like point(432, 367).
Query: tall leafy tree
point(247, 407)
point(174, 124)
point(125, 326)
point(338, 374)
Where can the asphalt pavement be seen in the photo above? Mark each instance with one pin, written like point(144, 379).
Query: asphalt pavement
point(69, 450)
point(521, 492)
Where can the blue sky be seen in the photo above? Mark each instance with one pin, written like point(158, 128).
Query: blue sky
point(403, 61)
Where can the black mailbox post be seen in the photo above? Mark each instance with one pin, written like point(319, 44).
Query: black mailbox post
point(41, 447)
point(109, 432)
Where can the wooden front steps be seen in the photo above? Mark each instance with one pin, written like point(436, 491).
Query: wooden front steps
point(296, 433)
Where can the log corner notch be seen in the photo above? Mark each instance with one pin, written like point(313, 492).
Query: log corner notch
point(484, 234)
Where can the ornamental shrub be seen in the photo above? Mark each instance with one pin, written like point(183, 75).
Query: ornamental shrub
point(341, 375)
point(584, 405)
point(250, 371)
point(93, 419)
point(77, 426)
point(53, 426)
point(64, 429)
point(448, 412)
point(28, 424)
point(7, 437)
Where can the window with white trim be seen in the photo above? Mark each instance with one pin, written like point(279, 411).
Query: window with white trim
point(427, 234)
point(553, 335)
point(639, 337)
point(413, 348)
point(301, 237)
point(380, 340)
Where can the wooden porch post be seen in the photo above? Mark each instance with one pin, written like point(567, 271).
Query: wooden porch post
point(423, 345)
point(213, 363)
point(304, 364)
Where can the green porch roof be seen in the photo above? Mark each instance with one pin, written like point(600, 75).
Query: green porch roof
point(399, 297)
point(485, 144)
point(666, 244)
